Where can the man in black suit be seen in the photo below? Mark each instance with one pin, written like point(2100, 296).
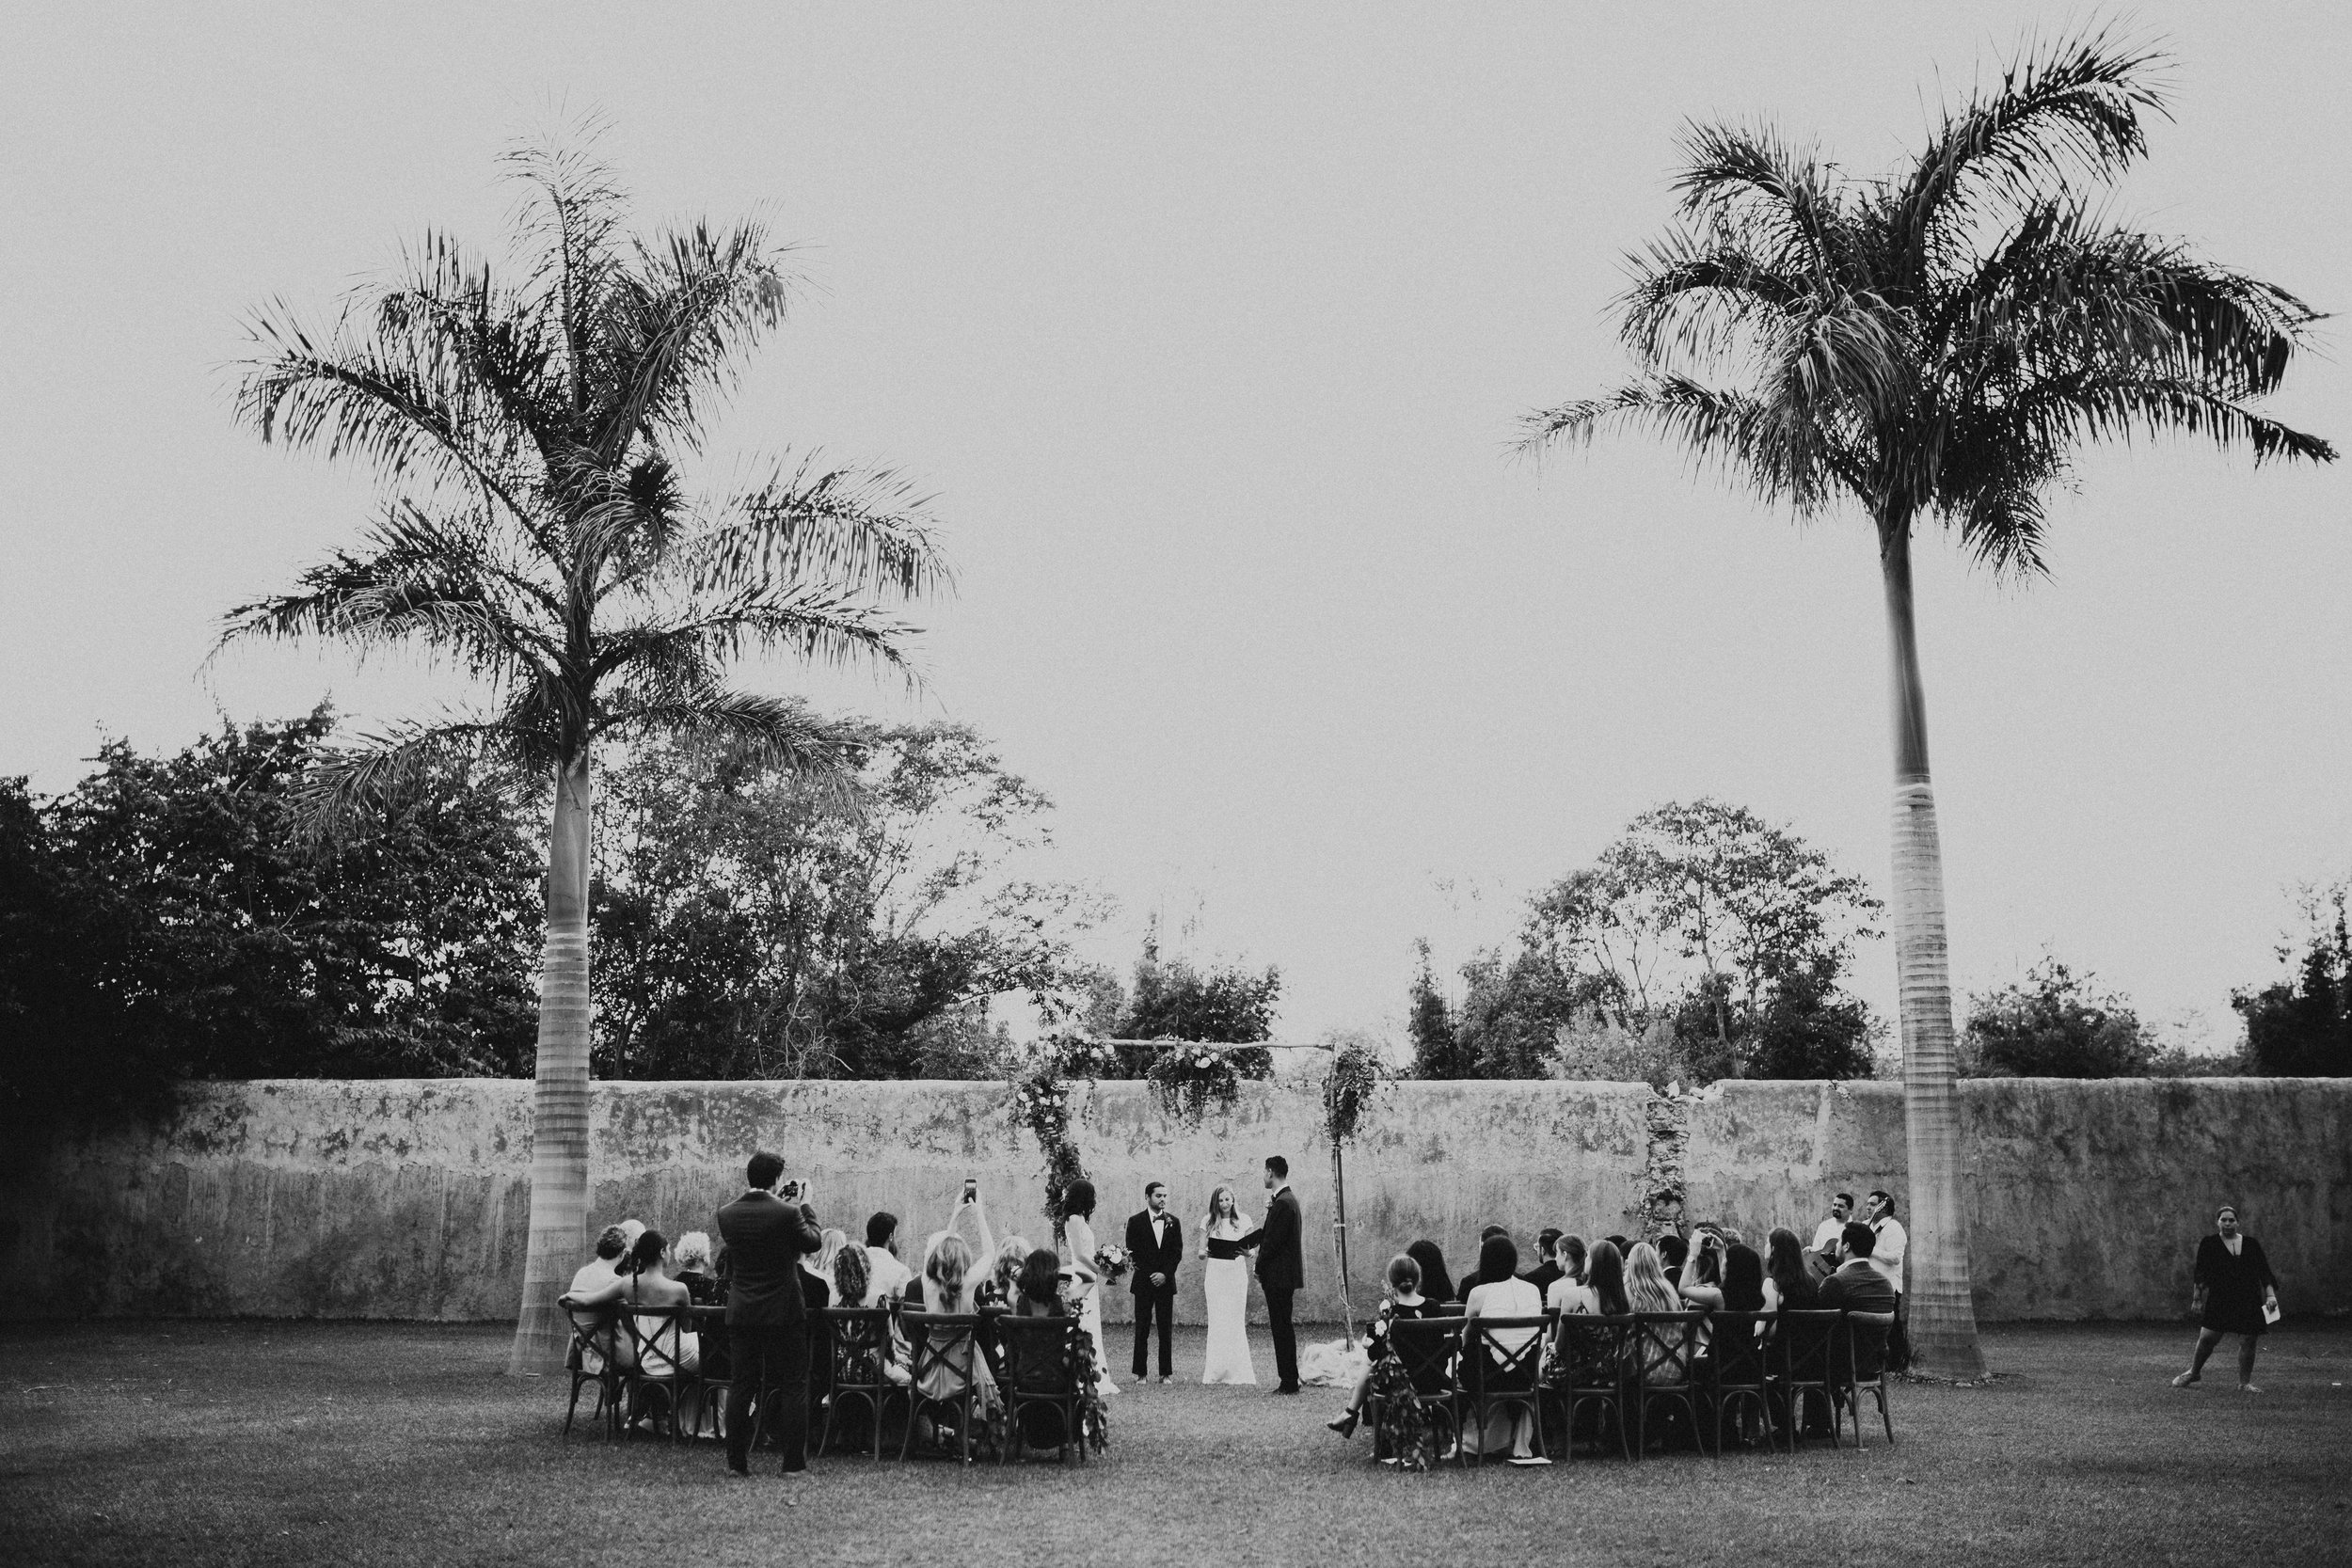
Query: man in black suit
point(1281, 1268)
point(767, 1318)
point(1156, 1244)
point(1545, 1273)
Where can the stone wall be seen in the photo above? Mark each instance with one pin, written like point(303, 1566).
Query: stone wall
point(410, 1199)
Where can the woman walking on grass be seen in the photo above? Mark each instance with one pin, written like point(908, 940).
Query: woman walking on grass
point(2236, 1294)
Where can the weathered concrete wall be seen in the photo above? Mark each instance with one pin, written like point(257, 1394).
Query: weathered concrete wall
point(2086, 1197)
point(410, 1199)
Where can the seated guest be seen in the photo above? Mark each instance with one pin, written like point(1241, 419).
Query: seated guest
point(816, 1270)
point(1547, 1248)
point(1700, 1282)
point(1622, 1246)
point(1476, 1278)
point(1604, 1277)
point(1039, 1295)
point(947, 1286)
point(1569, 1294)
point(1436, 1284)
point(646, 1285)
point(1648, 1289)
point(1403, 1299)
point(1002, 1286)
point(631, 1229)
point(1672, 1252)
point(605, 1267)
point(1744, 1286)
point(852, 1285)
point(690, 1260)
point(1789, 1285)
point(889, 1275)
point(1858, 1286)
point(1501, 1294)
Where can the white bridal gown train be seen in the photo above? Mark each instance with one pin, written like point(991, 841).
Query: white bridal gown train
point(1226, 1281)
point(1079, 1236)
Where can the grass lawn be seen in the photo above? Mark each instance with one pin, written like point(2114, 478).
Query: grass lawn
point(246, 1442)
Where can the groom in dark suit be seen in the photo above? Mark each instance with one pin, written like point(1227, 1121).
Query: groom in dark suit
point(1281, 1268)
point(1156, 1244)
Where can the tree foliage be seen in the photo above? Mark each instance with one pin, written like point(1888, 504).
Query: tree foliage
point(168, 918)
point(2054, 1024)
point(1702, 943)
point(2301, 1026)
point(757, 925)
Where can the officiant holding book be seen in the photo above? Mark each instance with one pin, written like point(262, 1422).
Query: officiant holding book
point(1155, 1243)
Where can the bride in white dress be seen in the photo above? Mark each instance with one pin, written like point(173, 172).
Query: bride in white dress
point(1226, 1283)
point(1086, 1282)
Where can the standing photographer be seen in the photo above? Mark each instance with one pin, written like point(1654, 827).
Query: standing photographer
point(767, 1235)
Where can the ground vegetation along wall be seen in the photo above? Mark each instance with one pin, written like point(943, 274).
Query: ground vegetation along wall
point(408, 1200)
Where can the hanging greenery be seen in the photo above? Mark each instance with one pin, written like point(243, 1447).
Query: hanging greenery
point(1188, 1078)
point(1348, 1091)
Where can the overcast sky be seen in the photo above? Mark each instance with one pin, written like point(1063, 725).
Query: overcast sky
point(1208, 328)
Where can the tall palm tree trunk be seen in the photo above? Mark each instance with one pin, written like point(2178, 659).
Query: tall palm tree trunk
point(1942, 1317)
point(559, 1104)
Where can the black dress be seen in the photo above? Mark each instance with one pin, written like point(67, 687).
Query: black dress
point(2234, 1286)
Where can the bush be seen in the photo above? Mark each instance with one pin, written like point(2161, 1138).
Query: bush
point(2053, 1025)
point(2302, 1027)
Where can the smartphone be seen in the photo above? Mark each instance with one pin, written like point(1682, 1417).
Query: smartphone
point(971, 1188)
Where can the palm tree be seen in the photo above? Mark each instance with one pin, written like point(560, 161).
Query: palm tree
point(538, 536)
point(1934, 345)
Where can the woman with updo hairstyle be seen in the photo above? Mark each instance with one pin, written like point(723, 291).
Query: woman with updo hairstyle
point(1404, 1301)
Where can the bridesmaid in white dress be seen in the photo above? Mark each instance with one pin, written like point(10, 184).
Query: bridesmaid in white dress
point(1086, 1294)
point(1226, 1279)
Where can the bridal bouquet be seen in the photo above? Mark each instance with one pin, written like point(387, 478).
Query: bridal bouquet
point(1111, 1263)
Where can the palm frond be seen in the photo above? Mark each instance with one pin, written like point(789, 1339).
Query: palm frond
point(1693, 295)
point(349, 787)
point(2071, 108)
point(860, 529)
point(774, 732)
point(2063, 289)
point(428, 580)
point(574, 212)
point(683, 317)
point(1741, 435)
point(349, 397)
point(1780, 205)
point(818, 622)
point(2100, 404)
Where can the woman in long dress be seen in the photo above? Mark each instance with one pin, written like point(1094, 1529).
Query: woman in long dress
point(1226, 1279)
point(1086, 1280)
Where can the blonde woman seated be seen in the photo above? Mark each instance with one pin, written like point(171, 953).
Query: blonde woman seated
point(1002, 1288)
point(1504, 1294)
point(947, 1290)
point(1647, 1289)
